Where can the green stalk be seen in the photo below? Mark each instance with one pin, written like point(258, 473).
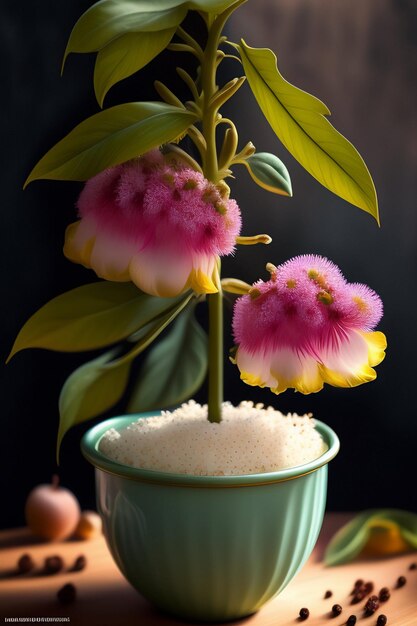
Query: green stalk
point(211, 172)
point(215, 355)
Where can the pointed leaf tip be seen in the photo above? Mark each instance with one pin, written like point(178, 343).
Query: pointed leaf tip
point(91, 316)
point(126, 55)
point(112, 137)
point(299, 121)
point(270, 173)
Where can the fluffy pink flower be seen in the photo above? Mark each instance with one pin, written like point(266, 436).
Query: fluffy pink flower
point(307, 326)
point(156, 222)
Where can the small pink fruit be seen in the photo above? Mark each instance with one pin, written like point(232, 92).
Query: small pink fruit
point(51, 511)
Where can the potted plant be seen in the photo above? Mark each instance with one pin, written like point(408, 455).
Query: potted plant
point(155, 218)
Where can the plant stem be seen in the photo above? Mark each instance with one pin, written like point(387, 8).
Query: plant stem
point(215, 355)
point(211, 172)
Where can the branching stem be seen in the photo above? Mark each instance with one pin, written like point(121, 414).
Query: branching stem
point(206, 143)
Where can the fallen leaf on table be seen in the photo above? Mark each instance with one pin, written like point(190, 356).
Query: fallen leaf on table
point(373, 533)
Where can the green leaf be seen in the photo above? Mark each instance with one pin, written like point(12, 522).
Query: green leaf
point(151, 331)
point(90, 390)
point(353, 537)
point(99, 384)
point(126, 55)
point(108, 19)
point(298, 119)
point(111, 137)
point(90, 317)
point(174, 369)
point(269, 172)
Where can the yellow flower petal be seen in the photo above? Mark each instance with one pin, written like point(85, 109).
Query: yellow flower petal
point(200, 282)
point(252, 379)
point(377, 344)
point(78, 251)
point(364, 374)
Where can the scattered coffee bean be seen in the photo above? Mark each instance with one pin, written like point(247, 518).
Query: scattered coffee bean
point(358, 584)
point(67, 594)
point(368, 587)
point(371, 606)
point(382, 620)
point(401, 581)
point(358, 597)
point(25, 564)
point(328, 594)
point(351, 620)
point(384, 594)
point(336, 610)
point(304, 614)
point(413, 566)
point(53, 564)
point(79, 564)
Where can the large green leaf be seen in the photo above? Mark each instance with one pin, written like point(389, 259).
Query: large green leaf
point(99, 384)
point(299, 121)
point(174, 369)
point(92, 316)
point(112, 137)
point(353, 537)
point(90, 390)
point(269, 172)
point(126, 55)
point(108, 19)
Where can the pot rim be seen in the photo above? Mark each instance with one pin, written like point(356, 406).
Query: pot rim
point(90, 449)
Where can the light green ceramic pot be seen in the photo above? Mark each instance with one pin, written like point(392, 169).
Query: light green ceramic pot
point(210, 548)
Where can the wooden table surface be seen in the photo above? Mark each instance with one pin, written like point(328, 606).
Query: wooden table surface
point(104, 598)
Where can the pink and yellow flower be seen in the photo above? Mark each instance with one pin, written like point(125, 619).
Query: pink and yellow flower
point(155, 222)
point(307, 326)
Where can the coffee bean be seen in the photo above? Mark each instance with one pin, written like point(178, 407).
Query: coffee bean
point(351, 620)
point(79, 564)
point(358, 585)
point(382, 620)
point(368, 587)
point(328, 594)
point(53, 564)
point(304, 614)
point(25, 564)
point(67, 594)
point(401, 581)
point(336, 610)
point(384, 594)
point(371, 606)
point(358, 597)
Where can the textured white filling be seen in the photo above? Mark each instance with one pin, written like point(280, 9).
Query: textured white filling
point(249, 440)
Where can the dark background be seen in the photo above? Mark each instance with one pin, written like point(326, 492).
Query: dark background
point(360, 58)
